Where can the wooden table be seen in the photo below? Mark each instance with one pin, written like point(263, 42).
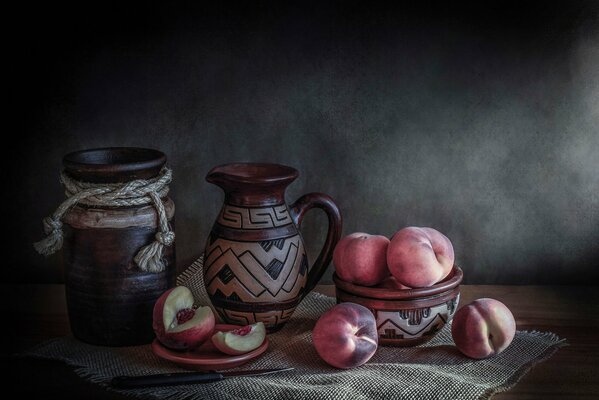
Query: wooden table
point(38, 312)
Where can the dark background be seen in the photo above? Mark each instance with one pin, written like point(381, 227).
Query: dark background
point(480, 119)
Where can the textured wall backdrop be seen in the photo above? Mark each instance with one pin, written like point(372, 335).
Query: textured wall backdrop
point(480, 122)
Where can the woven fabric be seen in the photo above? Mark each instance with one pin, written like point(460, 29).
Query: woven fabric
point(435, 370)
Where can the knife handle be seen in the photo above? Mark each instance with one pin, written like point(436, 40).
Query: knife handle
point(179, 378)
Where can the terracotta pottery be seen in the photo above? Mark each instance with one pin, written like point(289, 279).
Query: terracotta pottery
point(109, 299)
point(406, 317)
point(255, 265)
point(206, 357)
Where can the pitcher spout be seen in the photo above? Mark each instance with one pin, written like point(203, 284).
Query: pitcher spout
point(253, 183)
point(216, 176)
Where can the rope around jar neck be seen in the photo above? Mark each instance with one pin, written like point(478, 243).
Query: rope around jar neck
point(133, 193)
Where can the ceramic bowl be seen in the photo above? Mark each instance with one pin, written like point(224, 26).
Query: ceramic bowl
point(206, 357)
point(406, 317)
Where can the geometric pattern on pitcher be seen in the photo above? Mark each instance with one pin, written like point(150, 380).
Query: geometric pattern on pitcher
point(254, 218)
point(255, 271)
point(269, 318)
point(410, 324)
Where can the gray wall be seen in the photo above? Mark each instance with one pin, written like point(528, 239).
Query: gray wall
point(482, 123)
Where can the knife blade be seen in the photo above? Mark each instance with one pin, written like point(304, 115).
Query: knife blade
point(183, 378)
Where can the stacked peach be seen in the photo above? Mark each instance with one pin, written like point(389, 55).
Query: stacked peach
point(413, 258)
point(346, 336)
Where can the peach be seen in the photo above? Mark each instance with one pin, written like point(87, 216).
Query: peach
point(241, 340)
point(177, 324)
point(346, 336)
point(483, 328)
point(362, 258)
point(391, 283)
point(420, 257)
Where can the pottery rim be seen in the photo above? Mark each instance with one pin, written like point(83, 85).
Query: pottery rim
point(450, 282)
point(114, 164)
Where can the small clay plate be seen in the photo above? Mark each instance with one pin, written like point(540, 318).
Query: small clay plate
point(206, 357)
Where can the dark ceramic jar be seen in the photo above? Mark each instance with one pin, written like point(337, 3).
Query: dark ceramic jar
point(109, 299)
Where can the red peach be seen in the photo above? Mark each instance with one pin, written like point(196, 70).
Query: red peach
point(483, 328)
point(391, 283)
point(362, 258)
point(346, 336)
point(420, 257)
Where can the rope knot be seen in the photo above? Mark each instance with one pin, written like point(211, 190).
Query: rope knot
point(51, 225)
point(133, 193)
point(166, 238)
point(54, 237)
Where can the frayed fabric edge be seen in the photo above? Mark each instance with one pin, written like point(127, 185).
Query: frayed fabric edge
point(555, 343)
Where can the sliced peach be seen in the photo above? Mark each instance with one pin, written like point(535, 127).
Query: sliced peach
point(240, 341)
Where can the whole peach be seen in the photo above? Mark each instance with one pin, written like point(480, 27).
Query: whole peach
point(483, 328)
point(391, 283)
point(346, 336)
point(362, 258)
point(420, 257)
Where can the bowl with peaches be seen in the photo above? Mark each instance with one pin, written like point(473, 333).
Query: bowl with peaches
point(409, 282)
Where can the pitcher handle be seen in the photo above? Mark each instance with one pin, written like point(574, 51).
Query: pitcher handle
point(325, 203)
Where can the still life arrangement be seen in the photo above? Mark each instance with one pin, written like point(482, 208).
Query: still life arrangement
point(247, 308)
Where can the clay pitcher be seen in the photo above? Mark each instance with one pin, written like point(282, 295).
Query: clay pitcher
point(255, 263)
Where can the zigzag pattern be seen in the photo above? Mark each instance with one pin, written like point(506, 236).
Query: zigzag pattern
point(251, 273)
point(254, 218)
point(270, 318)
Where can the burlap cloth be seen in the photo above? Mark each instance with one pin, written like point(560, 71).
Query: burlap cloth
point(435, 370)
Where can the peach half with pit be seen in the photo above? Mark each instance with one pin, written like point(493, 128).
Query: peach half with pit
point(177, 324)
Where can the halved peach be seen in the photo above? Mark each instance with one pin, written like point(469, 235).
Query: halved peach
point(177, 324)
point(240, 341)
